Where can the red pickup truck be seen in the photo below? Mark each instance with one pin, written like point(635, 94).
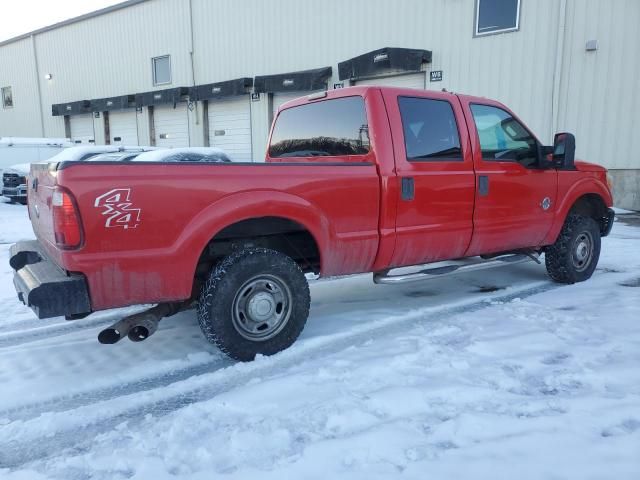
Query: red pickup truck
point(362, 179)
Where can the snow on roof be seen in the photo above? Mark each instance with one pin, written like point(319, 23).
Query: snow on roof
point(9, 141)
point(161, 155)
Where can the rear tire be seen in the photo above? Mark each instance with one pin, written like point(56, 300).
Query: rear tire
point(574, 256)
point(256, 301)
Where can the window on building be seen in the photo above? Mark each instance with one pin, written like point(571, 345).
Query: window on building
point(502, 137)
point(496, 16)
point(430, 129)
point(161, 70)
point(335, 127)
point(7, 97)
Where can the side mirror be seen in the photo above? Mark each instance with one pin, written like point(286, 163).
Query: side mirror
point(564, 150)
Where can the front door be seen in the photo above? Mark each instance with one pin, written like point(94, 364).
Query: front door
point(515, 199)
point(434, 168)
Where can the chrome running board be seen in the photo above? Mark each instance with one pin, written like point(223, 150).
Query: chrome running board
point(384, 277)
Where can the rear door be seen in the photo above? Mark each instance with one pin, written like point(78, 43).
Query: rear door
point(230, 127)
point(171, 125)
point(411, 80)
point(434, 167)
point(515, 199)
point(82, 130)
point(123, 127)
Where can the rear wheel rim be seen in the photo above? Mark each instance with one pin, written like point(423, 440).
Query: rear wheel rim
point(261, 308)
point(582, 251)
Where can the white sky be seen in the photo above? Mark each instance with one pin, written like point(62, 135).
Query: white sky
point(23, 16)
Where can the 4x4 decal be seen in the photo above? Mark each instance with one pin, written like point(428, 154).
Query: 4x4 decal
point(118, 208)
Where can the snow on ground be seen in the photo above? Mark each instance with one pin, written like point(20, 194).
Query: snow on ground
point(498, 374)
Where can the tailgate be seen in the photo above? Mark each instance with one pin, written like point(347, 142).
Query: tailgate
point(41, 183)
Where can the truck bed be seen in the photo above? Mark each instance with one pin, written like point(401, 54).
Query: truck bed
point(146, 224)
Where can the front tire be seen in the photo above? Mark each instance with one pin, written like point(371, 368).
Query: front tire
point(256, 301)
point(574, 256)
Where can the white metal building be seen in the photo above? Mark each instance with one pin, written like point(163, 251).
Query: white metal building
point(212, 72)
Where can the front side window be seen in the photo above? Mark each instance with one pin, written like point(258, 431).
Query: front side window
point(161, 70)
point(327, 128)
point(430, 129)
point(497, 16)
point(7, 97)
point(502, 137)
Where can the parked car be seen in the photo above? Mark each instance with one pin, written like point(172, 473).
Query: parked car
point(14, 180)
point(114, 157)
point(361, 179)
point(185, 154)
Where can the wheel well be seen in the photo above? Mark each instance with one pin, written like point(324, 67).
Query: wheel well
point(592, 205)
point(276, 233)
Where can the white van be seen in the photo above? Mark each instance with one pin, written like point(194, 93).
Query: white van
point(15, 150)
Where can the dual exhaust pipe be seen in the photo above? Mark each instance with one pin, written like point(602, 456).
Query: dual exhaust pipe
point(139, 326)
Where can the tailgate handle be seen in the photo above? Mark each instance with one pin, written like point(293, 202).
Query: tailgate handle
point(483, 185)
point(408, 188)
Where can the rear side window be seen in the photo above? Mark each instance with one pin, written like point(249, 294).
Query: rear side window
point(502, 137)
point(328, 128)
point(430, 129)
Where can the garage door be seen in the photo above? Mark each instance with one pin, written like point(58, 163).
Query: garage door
point(413, 80)
point(171, 125)
point(123, 127)
point(230, 127)
point(82, 128)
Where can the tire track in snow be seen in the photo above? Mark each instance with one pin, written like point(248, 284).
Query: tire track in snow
point(98, 418)
point(65, 403)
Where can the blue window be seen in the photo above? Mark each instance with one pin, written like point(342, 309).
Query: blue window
point(497, 16)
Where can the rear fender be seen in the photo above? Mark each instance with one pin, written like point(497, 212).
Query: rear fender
point(246, 205)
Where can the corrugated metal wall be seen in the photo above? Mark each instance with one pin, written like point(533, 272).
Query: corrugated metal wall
point(595, 95)
point(600, 98)
point(18, 70)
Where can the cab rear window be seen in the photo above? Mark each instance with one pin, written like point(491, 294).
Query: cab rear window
point(326, 128)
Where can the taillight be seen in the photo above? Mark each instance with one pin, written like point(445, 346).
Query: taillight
point(66, 221)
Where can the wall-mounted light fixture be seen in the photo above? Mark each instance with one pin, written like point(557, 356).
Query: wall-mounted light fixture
point(48, 76)
point(591, 45)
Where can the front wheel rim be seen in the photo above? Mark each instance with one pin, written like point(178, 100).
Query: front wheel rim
point(261, 308)
point(582, 251)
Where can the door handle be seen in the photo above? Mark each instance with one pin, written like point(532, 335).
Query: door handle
point(483, 185)
point(408, 189)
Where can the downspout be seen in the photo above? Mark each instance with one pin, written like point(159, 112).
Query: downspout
point(35, 61)
point(193, 70)
point(557, 70)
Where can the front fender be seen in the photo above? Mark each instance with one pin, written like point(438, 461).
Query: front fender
point(578, 189)
point(246, 205)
